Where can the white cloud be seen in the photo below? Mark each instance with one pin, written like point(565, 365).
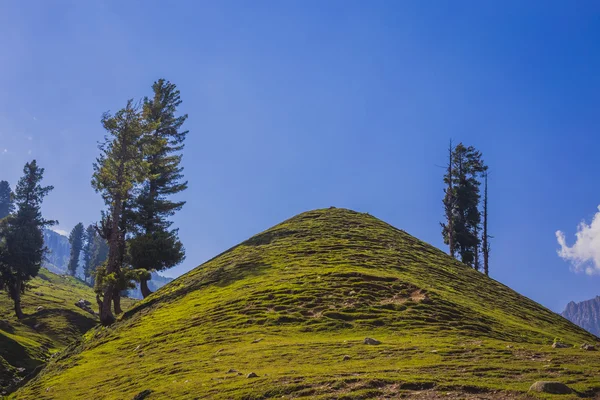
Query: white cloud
point(61, 232)
point(4, 151)
point(584, 255)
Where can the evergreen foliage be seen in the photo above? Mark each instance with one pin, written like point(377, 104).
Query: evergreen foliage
point(154, 246)
point(88, 240)
point(6, 199)
point(119, 168)
point(99, 256)
point(95, 253)
point(76, 241)
point(22, 247)
point(461, 203)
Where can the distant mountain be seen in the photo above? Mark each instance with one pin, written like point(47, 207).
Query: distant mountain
point(154, 284)
point(585, 314)
point(59, 248)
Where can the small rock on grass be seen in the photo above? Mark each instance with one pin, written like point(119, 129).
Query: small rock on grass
point(256, 341)
point(251, 375)
point(143, 394)
point(346, 358)
point(371, 341)
point(560, 345)
point(550, 387)
point(588, 347)
point(232, 371)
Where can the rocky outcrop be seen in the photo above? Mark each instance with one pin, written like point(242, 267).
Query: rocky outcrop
point(550, 387)
point(585, 314)
point(85, 306)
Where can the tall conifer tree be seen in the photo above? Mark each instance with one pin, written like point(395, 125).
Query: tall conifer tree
point(461, 202)
point(449, 204)
point(120, 167)
point(22, 241)
point(154, 246)
point(88, 250)
point(76, 241)
point(6, 199)
point(95, 252)
point(99, 256)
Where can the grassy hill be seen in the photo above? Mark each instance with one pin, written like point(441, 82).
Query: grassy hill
point(52, 322)
point(294, 304)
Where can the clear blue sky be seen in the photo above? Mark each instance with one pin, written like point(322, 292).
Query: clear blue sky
point(296, 105)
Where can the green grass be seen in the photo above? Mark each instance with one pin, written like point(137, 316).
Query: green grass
point(28, 343)
point(291, 302)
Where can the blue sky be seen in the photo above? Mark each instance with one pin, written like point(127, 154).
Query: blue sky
point(298, 105)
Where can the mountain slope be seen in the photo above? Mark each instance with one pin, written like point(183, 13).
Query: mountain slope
point(52, 322)
point(294, 304)
point(585, 314)
point(59, 250)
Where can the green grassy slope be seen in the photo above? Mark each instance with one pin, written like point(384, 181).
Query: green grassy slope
point(294, 304)
point(28, 343)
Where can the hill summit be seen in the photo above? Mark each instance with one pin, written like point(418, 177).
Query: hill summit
point(331, 303)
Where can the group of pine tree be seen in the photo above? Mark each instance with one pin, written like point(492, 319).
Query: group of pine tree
point(21, 232)
point(88, 250)
point(465, 229)
point(137, 174)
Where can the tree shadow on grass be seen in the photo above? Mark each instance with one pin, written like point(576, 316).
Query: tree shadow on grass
point(15, 354)
point(60, 324)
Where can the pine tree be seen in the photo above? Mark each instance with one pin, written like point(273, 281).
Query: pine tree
point(76, 241)
point(154, 246)
point(486, 236)
point(6, 199)
point(99, 256)
point(95, 253)
point(88, 251)
point(461, 202)
point(22, 248)
point(449, 205)
point(118, 169)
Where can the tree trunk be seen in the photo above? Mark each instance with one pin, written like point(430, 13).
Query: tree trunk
point(106, 316)
point(450, 190)
point(15, 294)
point(117, 302)
point(476, 252)
point(144, 287)
point(112, 266)
point(486, 244)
